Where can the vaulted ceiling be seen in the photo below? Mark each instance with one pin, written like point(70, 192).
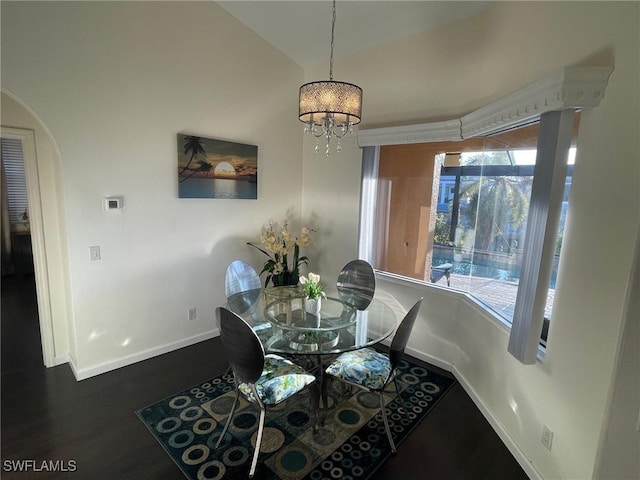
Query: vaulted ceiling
point(302, 29)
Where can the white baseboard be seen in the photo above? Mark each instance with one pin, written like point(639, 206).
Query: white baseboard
point(84, 373)
point(60, 360)
point(513, 447)
point(429, 359)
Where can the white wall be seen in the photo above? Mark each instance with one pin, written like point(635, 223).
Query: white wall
point(449, 73)
point(620, 453)
point(114, 82)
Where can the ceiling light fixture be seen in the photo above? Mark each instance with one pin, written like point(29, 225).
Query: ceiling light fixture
point(328, 108)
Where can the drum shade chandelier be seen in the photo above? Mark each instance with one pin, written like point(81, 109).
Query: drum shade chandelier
point(328, 108)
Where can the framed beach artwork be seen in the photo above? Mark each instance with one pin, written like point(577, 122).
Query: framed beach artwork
point(209, 168)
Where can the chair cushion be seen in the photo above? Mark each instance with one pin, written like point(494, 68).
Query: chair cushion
point(280, 379)
point(364, 367)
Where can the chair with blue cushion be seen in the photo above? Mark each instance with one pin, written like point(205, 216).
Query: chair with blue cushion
point(373, 371)
point(356, 283)
point(264, 380)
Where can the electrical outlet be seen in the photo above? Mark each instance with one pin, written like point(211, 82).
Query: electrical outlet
point(547, 437)
point(192, 313)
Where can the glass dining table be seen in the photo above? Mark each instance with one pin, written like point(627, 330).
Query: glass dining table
point(279, 318)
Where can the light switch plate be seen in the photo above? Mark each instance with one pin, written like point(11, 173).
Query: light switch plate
point(94, 252)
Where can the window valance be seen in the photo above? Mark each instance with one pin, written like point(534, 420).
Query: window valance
point(570, 87)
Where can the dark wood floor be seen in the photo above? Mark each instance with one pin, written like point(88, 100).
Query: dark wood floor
point(47, 415)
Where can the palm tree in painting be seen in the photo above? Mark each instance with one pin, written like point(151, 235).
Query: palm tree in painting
point(204, 167)
point(192, 148)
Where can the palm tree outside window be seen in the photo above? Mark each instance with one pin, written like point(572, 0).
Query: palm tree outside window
point(484, 239)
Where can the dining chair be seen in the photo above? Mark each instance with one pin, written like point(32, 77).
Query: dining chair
point(356, 283)
point(239, 278)
point(264, 380)
point(373, 371)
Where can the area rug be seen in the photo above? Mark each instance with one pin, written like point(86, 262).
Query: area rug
point(351, 444)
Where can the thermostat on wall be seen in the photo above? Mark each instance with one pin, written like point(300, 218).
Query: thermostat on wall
point(112, 203)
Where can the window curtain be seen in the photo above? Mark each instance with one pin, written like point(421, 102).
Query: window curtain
point(554, 142)
point(368, 193)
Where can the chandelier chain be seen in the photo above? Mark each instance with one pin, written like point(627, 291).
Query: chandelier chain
point(333, 28)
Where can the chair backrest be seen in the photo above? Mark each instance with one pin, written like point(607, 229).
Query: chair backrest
point(357, 283)
point(401, 337)
point(240, 277)
point(241, 346)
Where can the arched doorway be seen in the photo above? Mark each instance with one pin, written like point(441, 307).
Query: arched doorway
point(41, 162)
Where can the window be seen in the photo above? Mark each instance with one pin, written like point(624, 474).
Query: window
point(464, 210)
point(554, 100)
point(483, 242)
point(13, 168)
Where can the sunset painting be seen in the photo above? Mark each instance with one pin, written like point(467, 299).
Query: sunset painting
point(209, 168)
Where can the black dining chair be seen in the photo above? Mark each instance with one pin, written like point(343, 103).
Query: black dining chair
point(241, 286)
point(356, 283)
point(373, 371)
point(264, 380)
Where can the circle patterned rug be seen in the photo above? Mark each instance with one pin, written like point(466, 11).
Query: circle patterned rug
point(351, 444)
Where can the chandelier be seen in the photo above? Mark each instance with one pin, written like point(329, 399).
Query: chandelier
point(328, 108)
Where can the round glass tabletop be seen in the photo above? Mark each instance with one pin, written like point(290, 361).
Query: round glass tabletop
point(279, 317)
